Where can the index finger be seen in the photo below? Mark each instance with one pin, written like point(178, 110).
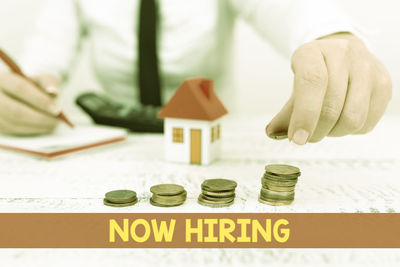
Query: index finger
point(26, 92)
point(310, 85)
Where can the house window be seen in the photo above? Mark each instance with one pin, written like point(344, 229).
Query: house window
point(218, 131)
point(177, 135)
point(212, 134)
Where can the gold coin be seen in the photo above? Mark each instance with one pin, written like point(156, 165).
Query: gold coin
point(282, 169)
point(219, 199)
point(269, 194)
point(279, 188)
point(121, 196)
point(280, 177)
point(211, 205)
point(218, 194)
point(275, 203)
point(276, 198)
point(218, 185)
point(180, 196)
point(167, 189)
point(162, 205)
point(169, 200)
point(268, 182)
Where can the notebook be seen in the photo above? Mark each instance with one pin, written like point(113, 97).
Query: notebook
point(64, 140)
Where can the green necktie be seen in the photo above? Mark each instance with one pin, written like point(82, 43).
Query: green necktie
point(149, 78)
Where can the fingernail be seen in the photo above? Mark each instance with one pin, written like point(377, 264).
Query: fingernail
point(300, 137)
point(52, 90)
point(267, 129)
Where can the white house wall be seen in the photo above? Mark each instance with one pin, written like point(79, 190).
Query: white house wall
point(180, 152)
point(215, 148)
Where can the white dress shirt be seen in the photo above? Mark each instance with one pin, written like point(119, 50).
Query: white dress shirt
point(195, 37)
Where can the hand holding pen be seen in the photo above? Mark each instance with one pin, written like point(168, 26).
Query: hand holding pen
point(27, 105)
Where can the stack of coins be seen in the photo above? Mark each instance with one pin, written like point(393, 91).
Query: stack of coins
point(278, 184)
point(167, 195)
point(120, 198)
point(217, 193)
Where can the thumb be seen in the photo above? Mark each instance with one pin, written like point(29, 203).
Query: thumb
point(280, 123)
point(49, 83)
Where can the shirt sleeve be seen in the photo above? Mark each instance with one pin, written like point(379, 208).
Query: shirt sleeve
point(287, 24)
point(55, 40)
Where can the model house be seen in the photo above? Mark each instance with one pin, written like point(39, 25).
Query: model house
point(192, 123)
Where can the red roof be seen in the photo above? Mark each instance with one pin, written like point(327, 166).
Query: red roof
point(195, 99)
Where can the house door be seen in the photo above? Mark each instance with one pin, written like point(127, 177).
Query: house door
point(195, 146)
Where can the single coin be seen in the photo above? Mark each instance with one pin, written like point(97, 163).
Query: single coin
point(279, 181)
point(207, 204)
point(275, 203)
point(230, 193)
point(162, 205)
point(276, 198)
point(169, 200)
point(218, 199)
point(167, 189)
point(168, 203)
point(119, 205)
point(269, 194)
point(279, 188)
point(182, 196)
point(278, 136)
point(282, 169)
point(217, 185)
point(121, 196)
point(281, 177)
point(163, 200)
point(267, 182)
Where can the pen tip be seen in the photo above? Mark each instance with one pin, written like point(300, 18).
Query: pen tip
point(65, 119)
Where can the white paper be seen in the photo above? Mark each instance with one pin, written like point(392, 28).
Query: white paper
point(63, 138)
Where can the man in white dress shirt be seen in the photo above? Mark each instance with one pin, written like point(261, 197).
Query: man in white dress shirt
point(340, 87)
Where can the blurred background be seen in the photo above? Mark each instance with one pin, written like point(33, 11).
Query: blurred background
point(262, 78)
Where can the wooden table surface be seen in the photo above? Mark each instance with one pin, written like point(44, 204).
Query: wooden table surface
point(351, 174)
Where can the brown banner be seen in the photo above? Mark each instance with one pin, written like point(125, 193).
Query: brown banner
point(199, 230)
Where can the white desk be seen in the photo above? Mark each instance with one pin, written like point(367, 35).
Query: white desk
point(351, 174)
